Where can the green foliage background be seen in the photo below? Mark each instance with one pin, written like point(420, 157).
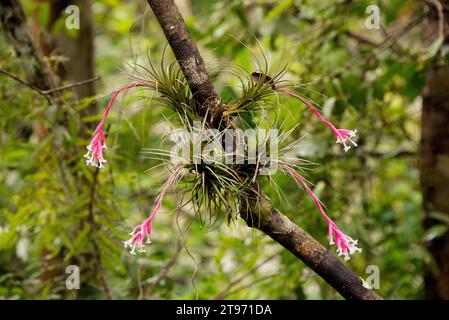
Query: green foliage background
point(50, 217)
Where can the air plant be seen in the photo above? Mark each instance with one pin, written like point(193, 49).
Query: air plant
point(214, 186)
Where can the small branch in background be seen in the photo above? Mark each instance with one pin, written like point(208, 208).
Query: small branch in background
point(246, 286)
point(164, 271)
point(436, 4)
point(439, 7)
point(26, 83)
point(362, 39)
point(225, 292)
point(47, 93)
point(407, 28)
point(72, 85)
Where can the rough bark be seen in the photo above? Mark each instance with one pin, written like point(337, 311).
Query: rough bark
point(188, 56)
point(435, 176)
point(262, 214)
point(434, 160)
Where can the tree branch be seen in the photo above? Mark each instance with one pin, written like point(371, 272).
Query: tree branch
point(72, 85)
point(259, 213)
point(189, 58)
point(26, 83)
point(47, 93)
point(185, 51)
point(262, 215)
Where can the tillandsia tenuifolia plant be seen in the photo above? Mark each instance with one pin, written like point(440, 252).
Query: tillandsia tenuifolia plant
point(215, 186)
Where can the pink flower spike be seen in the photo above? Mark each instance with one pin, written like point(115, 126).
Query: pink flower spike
point(94, 154)
point(346, 246)
point(143, 231)
point(343, 135)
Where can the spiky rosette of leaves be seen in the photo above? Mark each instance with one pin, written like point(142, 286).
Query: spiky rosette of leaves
point(172, 90)
point(211, 185)
point(215, 181)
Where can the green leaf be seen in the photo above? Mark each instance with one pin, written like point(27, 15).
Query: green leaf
point(432, 50)
point(435, 232)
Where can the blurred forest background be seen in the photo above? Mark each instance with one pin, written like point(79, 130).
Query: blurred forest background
point(55, 211)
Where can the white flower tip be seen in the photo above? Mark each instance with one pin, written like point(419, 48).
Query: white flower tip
point(126, 244)
point(353, 133)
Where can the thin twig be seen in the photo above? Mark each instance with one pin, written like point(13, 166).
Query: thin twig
point(246, 286)
point(163, 273)
point(362, 39)
point(26, 83)
point(72, 85)
point(439, 9)
point(47, 93)
point(221, 295)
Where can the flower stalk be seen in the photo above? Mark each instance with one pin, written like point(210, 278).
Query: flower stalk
point(344, 136)
point(140, 234)
point(346, 246)
point(94, 156)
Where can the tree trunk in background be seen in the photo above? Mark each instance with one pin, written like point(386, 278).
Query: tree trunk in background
point(78, 51)
point(435, 168)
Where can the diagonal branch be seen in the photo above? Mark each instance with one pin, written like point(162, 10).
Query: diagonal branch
point(262, 215)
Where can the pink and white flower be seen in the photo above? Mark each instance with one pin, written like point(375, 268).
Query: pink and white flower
point(94, 154)
point(346, 246)
point(140, 234)
point(95, 148)
point(344, 136)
